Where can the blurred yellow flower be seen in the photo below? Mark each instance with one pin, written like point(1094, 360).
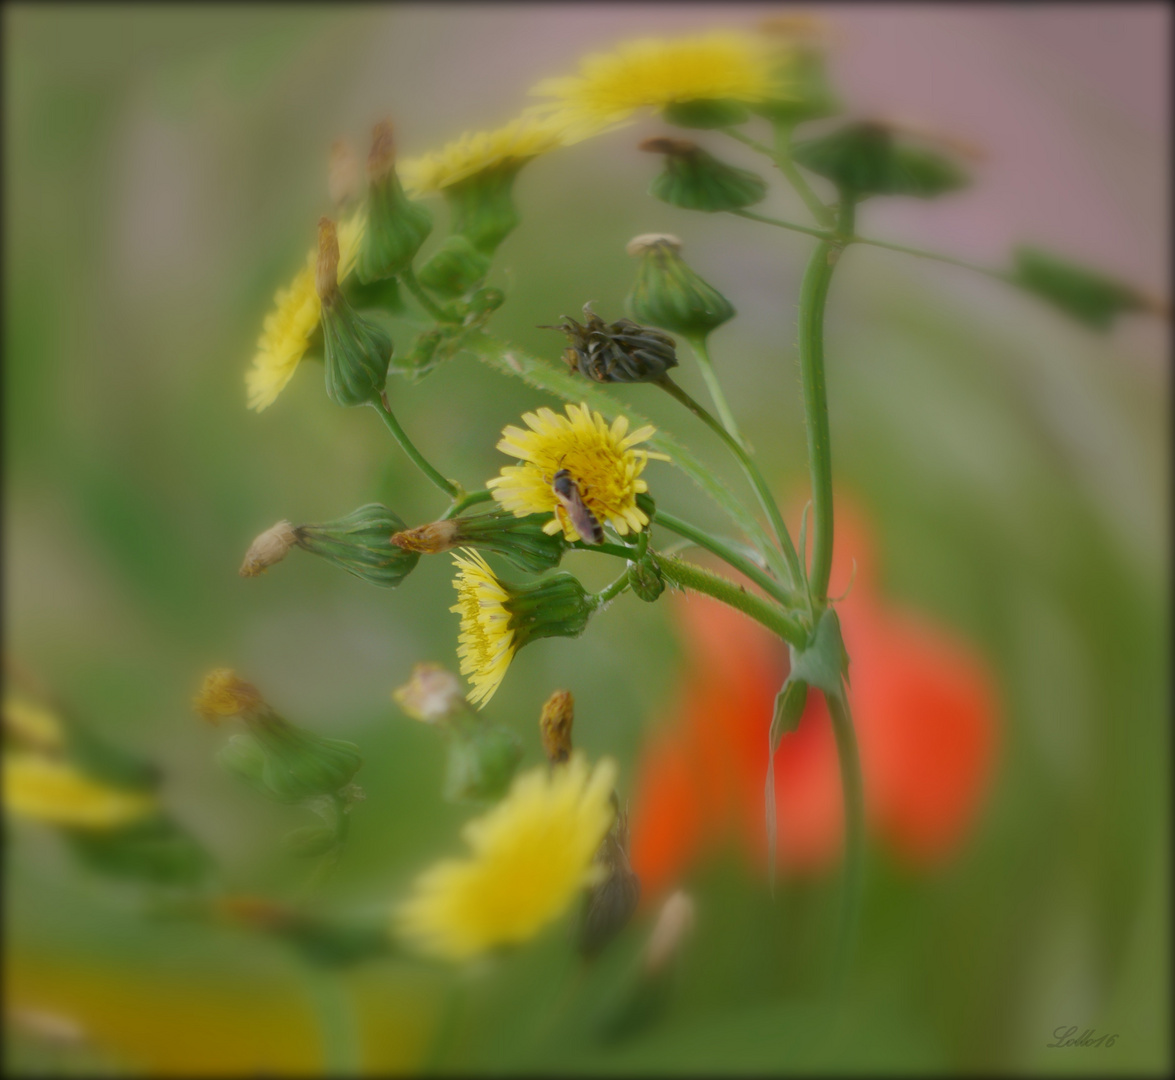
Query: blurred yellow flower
point(55, 792)
point(514, 143)
point(486, 643)
point(531, 856)
point(289, 327)
point(600, 459)
point(653, 73)
point(31, 726)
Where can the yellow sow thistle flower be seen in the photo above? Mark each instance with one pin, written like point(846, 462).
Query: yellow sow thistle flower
point(55, 792)
point(291, 324)
point(600, 458)
point(531, 855)
point(31, 726)
point(652, 73)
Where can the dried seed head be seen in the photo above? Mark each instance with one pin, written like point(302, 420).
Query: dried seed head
point(269, 548)
point(638, 245)
point(555, 726)
point(430, 539)
point(432, 694)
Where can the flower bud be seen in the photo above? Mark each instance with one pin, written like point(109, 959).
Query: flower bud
point(609, 905)
point(668, 293)
point(554, 606)
point(432, 695)
point(396, 226)
point(269, 548)
point(357, 352)
point(696, 180)
point(343, 178)
point(383, 295)
point(486, 301)
point(361, 543)
point(454, 268)
point(864, 159)
point(555, 726)
point(622, 351)
point(645, 578)
point(481, 764)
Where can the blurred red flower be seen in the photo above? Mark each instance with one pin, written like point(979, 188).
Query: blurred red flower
point(924, 706)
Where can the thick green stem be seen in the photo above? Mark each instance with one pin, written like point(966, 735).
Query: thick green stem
point(790, 569)
point(612, 591)
point(408, 277)
point(779, 622)
point(853, 793)
point(465, 502)
point(788, 167)
point(702, 352)
point(337, 1024)
point(731, 557)
point(823, 234)
point(450, 488)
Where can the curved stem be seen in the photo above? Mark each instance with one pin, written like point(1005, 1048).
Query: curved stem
point(408, 277)
point(702, 352)
point(823, 234)
point(610, 592)
point(450, 488)
point(336, 1019)
point(728, 555)
point(779, 622)
point(999, 275)
point(791, 568)
point(853, 792)
point(788, 167)
point(746, 140)
point(471, 498)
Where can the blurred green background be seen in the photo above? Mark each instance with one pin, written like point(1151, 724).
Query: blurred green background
point(164, 170)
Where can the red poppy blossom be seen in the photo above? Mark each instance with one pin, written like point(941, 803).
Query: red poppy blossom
point(924, 707)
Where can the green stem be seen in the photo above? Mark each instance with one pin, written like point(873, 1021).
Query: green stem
point(466, 501)
point(823, 234)
point(791, 568)
point(731, 557)
point(702, 352)
point(611, 591)
point(1000, 275)
point(788, 167)
point(451, 489)
point(337, 1024)
point(746, 140)
point(604, 549)
point(853, 792)
point(408, 277)
point(779, 622)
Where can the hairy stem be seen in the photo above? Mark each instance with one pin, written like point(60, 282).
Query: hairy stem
point(472, 498)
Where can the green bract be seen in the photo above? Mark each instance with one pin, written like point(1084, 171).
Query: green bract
point(361, 543)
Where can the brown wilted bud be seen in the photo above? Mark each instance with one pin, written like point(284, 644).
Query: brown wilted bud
point(431, 539)
point(269, 548)
point(327, 272)
point(646, 242)
point(555, 726)
point(674, 922)
point(662, 144)
point(256, 912)
point(432, 694)
point(343, 179)
point(224, 695)
point(382, 157)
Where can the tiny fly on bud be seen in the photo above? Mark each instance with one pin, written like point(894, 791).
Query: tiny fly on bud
point(584, 521)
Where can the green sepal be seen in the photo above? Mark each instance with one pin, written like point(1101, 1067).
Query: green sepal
point(361, 543)
point(668, 293)
point(863, 159)
point(154, 849)
point(396, 228)
point(699, 181)
point(554, 606)
point(357, 354)
point(481, 763)
point(705, 113)
point(823, 663)
point(454, 268)
point(1085, 295)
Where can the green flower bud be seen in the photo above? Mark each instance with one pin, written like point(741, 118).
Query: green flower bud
point(696, 180)
point(361, 543)
point(704, 114)
point(554, 606)
point(357, 352)
point(396, 226)
point(668, 293)
point(622, 351)
point(863, 159)
point(521, 540)
point(482, 205)
point(481, 763)
point(1081, 293)
point(454, 268)
point(485, 301)
point(645, 578)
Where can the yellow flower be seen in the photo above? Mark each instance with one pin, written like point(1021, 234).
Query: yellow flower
point(514, 143)
point(601, 461)
point(291, 324)
point(54, 791)
point(486, 643)
point(31, 725)
point(531, 856)
point(224, 695)
point(611, 86)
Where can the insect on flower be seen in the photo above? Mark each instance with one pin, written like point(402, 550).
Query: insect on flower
point(586, 523)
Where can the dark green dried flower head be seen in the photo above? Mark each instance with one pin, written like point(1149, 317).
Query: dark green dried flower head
point(696, 180)
point(622, 351)
point(668, 293)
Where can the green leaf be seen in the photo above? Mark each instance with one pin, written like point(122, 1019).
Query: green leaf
point(1087, 296)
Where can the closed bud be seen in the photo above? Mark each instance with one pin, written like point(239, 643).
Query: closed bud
point(357, 352)
point(485, 301)
point(396, 226)
point(269, 548)
point(696, 180)
point(668, 293)
point(622, 351)
point(555, 724)
point(609, 905)
point(383, 295)
point(554, 606)
point(454, 268)
point(865, 159)
point(646, 579)
point(432, 695)
point(482, 205)
point(481, 764)
point(361, 543)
